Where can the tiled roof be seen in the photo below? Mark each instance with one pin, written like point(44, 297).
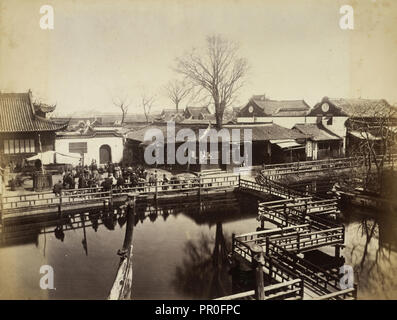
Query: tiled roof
point(273, 131)
point(196, 111)
point(261, 132)
point(16, 115)
point(44, 107)
point(316, 132)
point(170, 115)
point(362, 107)
point(282, 108)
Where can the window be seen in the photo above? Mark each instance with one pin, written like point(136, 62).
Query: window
point(329, 121)
point(19, 146)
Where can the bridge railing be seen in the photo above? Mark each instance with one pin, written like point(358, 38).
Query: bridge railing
point(74, 196)
point(279, 169)
point(302, 241)
point(292, 289)
point(315, 275)
point(272, 188)
point(284, 265)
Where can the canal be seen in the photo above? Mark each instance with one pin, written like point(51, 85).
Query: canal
point(180, 252)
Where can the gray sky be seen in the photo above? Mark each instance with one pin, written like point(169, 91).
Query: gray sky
point(101, 49)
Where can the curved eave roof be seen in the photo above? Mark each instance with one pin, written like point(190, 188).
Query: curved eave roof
point(17, 115)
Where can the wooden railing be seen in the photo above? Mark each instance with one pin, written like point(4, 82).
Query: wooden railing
point(300, 210)
point(95, 194)
point(282, 264)
point(275, 171)
point(292, 289)
point(273, 188)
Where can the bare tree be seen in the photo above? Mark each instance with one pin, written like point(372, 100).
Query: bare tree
point(176, 91)
point(217, 70)
point(122, 104)
point(147, 102)
point(377, 141)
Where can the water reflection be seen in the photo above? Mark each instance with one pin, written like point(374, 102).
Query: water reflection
point(371, 243)
point(204, 272)
point(180, 250)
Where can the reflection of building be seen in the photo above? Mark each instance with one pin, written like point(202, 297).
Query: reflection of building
point(24, 129)
point(92, 144)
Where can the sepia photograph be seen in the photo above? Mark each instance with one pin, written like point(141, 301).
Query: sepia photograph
point(198, 150)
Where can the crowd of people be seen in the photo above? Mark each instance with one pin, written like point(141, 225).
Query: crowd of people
point(110, 176)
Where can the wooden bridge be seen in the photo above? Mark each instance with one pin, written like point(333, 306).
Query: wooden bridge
point(75, 200)
point(303, 223)
point(276, 171)
point(38, 203)
point(281, 250)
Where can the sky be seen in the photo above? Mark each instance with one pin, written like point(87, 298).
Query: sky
point(101, 50)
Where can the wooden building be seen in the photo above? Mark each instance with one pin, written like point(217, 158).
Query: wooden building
point(196, 113)
point(357, 121)
point(269, 143)
point(285, 113)
point(24, 128)
point(320, 142)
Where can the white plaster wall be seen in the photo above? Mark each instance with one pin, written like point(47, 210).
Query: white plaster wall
point(286, 122)
point(93, 145)
point(338, 127)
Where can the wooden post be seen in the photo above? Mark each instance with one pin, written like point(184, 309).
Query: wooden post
point(122, 286)
point(267, 245)
point(285, 209)
point(233, 239)
point(337, 251)
point(298, 241)
point(2, 189)
point(199, 190)
point(130, 214)
point(257, 264)
point(155, 185)
point(60, 205)
point(355, 286)
point(111, 196)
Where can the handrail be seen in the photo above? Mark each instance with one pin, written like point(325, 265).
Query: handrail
point(266, 289)
point(188, 184)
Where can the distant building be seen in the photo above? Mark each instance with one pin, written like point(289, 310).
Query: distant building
point(344, 117)
point(320, 142)
point(196, 113)
point(170, 115)
point(285, 113)
point(102, 144)
point(271, 143)
point(329, 116)
point(24, 128)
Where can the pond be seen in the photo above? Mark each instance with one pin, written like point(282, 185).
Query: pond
point(179, 252)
